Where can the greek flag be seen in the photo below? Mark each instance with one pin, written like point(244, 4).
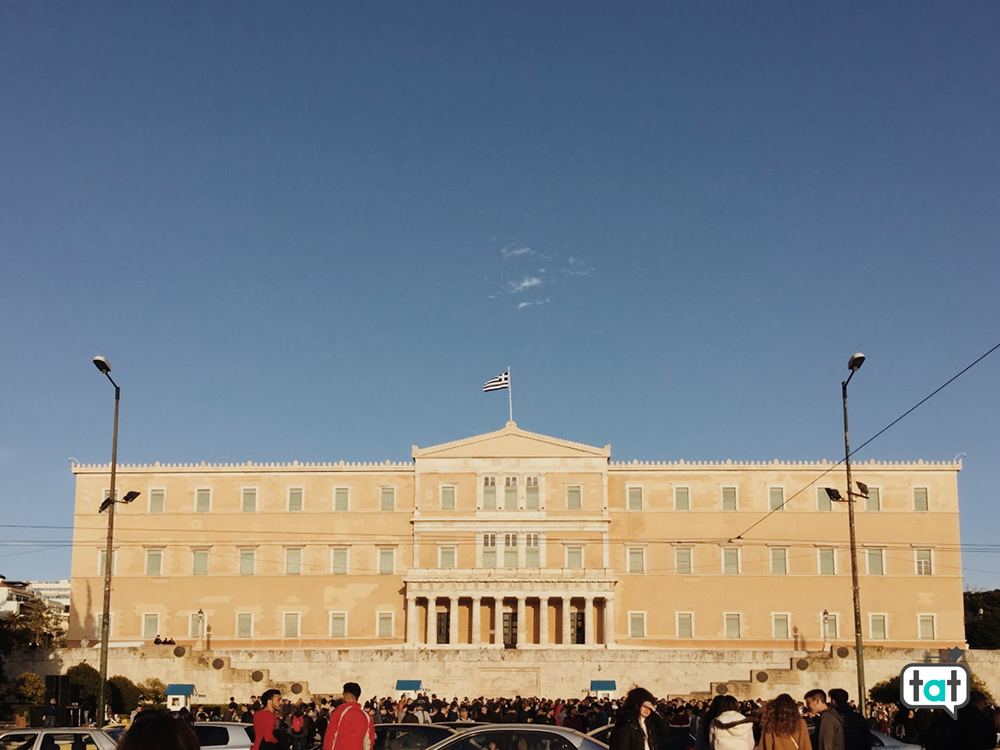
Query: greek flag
point(498, 383)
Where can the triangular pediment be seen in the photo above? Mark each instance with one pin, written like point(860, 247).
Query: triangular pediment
point(512, 442)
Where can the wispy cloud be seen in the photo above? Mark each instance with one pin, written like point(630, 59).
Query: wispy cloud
point(522, 305)
point(527, 282)
point(576, 267)
point(516, 251)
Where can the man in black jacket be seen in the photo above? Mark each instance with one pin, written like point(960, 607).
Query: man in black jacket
point(857, 736)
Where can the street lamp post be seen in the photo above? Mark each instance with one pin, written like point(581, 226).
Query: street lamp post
point(854, 364)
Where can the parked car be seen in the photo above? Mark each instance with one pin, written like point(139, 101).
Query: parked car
point(223, 734)
point(519, 737)
point(671, 738)
point(57, 738)
point(409, 736)
point(884, 740)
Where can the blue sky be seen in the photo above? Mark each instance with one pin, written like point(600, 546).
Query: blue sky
point(312, 231)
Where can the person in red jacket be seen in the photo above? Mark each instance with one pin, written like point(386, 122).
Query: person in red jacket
point(265, 721)
point(350, 728)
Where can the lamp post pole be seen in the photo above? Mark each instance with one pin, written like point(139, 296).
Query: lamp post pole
point(854, 364)
point(105, 367)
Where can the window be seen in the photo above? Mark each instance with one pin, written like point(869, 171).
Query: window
point(923, 557)
point(295, 504)
point(490, 493)
point(636, 560)
point(685, 624)
point(102, 556)
point(682, 498)
point(733, 626)
point(154, 562)
point(386, 561)
point(387, 499)
point(531, 494)
point(99, 621)
point(925, 624)
point(447, 497)
point(531, 551)
point(446, 557)
point(831, 626)
point(199, 562)
point(731, 561)
point(779, 561)
point(682, 561)
point(489, 550)
point(249, 500)
point(338, 561)
point(920, 498)
point(341, 499)
point(203, 501)
point(729, 498)
point(873, 503)
point(510, 550)
point(293, 562)
point(876, 627)
point(244, 625)
point(156, 501)
point(510, 493)
point(635, 498)
point(197, 625)
point(291, 625)
point(385, 624)
point(574, 557)
point(248, 559)
point(779, 626)
point(338, 624)
point(150, 626)
point(876, 562)
point(823, 501)
point(573, 498)
point(636, 624)
point(776, 498)
point(827, 562)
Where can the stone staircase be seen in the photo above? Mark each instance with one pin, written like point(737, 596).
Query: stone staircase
point(804, 673)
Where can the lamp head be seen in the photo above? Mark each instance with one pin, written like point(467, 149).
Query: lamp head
point(130, 496)
point(102, 364)
point(855, 362)
point(863, 487)
point(832, 493)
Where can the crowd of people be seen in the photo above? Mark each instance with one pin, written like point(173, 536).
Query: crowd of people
point(819, 721)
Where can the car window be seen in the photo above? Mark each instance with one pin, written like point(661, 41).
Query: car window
point(603, 734)
point(407, 739)
point(209, 736)
point(249, 730)
point(17, 741)
point(494, 740)
point(68, 741)
point(538, 741)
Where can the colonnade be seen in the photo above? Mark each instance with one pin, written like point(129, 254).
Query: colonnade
point(565, 631)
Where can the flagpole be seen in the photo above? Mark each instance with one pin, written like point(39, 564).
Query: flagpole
point(510, 395)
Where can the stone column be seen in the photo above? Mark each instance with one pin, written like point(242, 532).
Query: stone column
point(522, 620)
point(411, 620)
point(588, 620)
point(498, 621)
point(477, 622)
point(543, 620)
point(609, 621)
point(452, 620)
point(566, 640)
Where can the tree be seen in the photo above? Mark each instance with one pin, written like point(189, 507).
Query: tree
point(982, 619)
point(887, 691)
point(153, 690)
point(125, 695)
point(85, 681)
point(30, 688)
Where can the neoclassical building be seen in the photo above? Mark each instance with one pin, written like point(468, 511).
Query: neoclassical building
point(518, 540)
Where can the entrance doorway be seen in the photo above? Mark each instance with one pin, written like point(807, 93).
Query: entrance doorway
point(578, 627)
point(443, 628)
point(510, 629)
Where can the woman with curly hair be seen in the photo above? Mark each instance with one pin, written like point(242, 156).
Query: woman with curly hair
point(637, 725)
point(782, 726)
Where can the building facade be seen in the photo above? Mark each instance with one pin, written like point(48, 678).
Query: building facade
point(517, 540)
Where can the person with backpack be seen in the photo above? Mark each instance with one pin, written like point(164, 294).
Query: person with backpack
point(300, 729)
point(350, 728)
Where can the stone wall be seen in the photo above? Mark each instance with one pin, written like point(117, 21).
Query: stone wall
point(219, 674)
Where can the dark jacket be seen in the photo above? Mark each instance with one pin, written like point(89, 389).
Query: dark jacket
point(628, 735)
point(857, 735)
point(829, 730)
